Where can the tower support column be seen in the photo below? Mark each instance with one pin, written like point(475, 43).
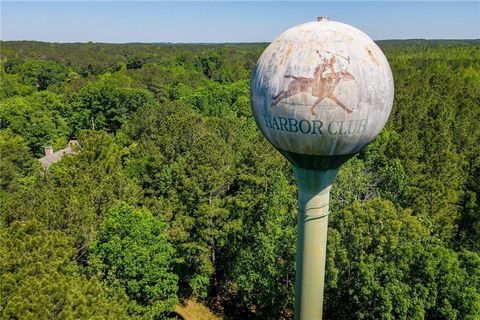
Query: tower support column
point(313, 200)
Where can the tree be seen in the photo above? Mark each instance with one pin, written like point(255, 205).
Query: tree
point(174, 133)
point(76, 192)
point(215, 99)
point(383, 264)
point(39, 278)
point(105, 105)
point(11, 85)
point(132, 252)
point(42, 74)
point(263, 271)
point(16, 162)
point(35, 122)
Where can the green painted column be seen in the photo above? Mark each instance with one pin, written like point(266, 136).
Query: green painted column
point(313, 199)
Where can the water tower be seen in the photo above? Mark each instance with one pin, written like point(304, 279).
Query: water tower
point(320, 93)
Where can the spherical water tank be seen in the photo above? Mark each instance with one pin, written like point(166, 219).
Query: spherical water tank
point(321, 92)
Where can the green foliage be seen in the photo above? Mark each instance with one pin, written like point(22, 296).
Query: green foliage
point(76, 193)
point(12, 85)
point(469, 224)
point(263, 270)
point(383, 264)
point(132, 252)
point(16, 162)
point(215, 99)
point(169, 128)
point(37, 120)
point(184, 161)
point(39, 278)
point(103, 105)
point(165, 82)
point(41, 74)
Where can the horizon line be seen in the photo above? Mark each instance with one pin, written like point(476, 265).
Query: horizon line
point(227, 42)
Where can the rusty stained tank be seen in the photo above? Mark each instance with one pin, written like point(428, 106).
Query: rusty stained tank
point(321, 92)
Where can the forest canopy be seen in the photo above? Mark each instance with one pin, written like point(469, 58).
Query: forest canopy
point(171, 193)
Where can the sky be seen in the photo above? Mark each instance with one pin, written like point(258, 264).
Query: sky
point(228, 21)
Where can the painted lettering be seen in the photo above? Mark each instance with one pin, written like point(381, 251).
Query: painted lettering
point(362, 125)
point(302, 127)
point(306, 126)
point(352, 127)
point(283, 123)
point(341, 130)
point(330, 128)
point(268, 120)
point(317, 124)
point(275, 124)
point(293, 125)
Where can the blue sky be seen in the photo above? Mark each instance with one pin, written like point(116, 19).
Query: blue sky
point(222, 21)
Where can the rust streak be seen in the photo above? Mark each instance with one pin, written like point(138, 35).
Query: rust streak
point(372, 56)
point(287, 52)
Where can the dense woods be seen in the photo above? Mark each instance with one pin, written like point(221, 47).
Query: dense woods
point(172, 193)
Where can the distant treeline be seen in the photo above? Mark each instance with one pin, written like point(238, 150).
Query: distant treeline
point(172, 193)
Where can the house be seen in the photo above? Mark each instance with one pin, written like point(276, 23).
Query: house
point(52, 157)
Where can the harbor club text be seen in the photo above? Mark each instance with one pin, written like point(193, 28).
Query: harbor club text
point(307, 126)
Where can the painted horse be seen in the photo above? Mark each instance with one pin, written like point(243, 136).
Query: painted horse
point(325, 80)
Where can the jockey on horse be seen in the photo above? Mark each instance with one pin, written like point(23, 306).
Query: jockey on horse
point(323, 84)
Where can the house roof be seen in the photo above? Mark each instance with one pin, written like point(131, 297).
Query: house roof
point(48, 160)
